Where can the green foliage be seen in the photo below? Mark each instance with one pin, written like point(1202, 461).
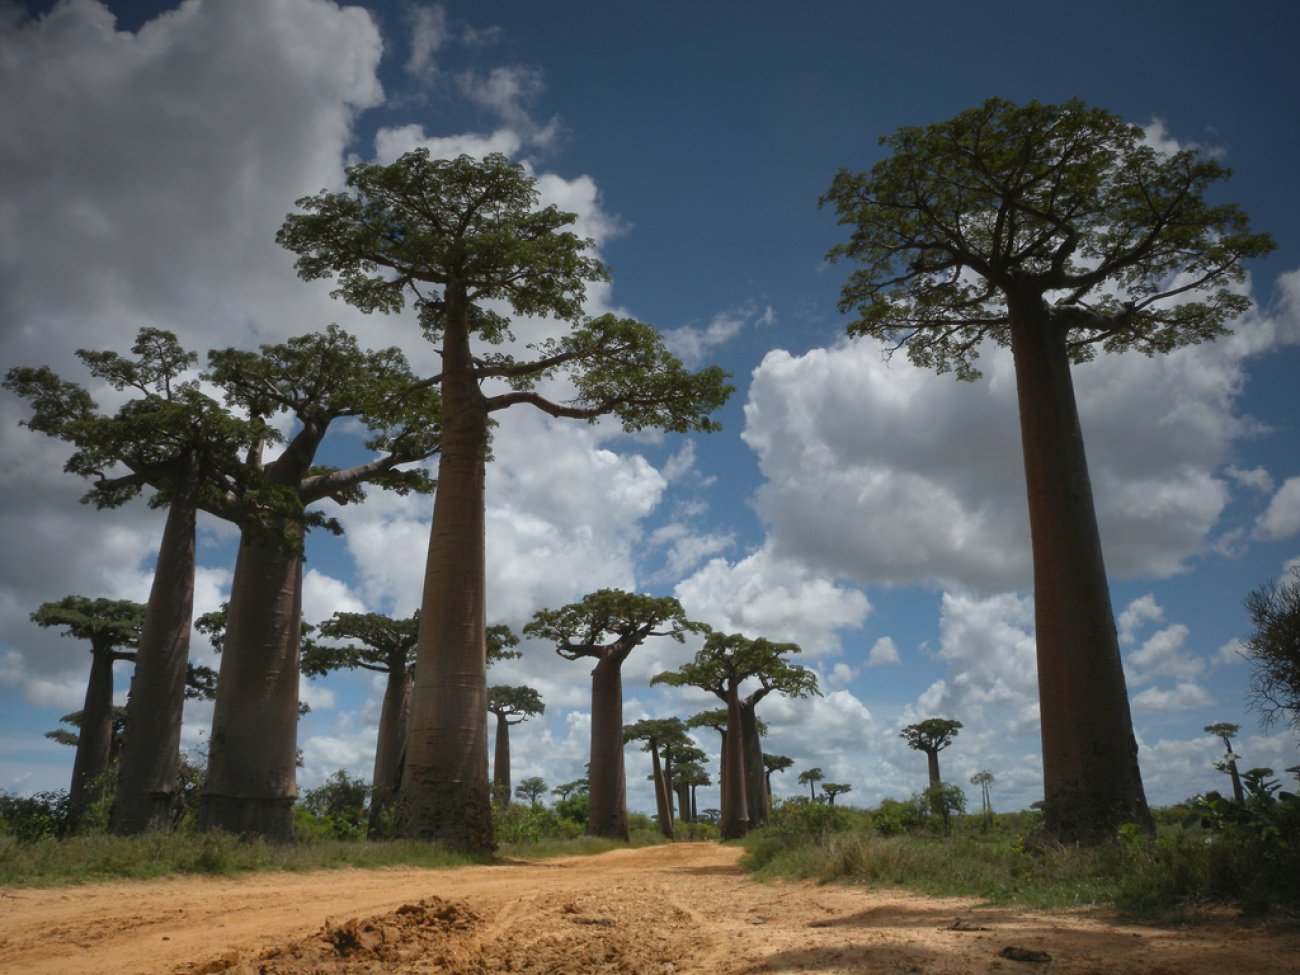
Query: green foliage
point(729, 658)
point(45, 815)
point(893, 818)
point(520, 702)
point(931, 735)
point(610, 616)
point(1008, 203)
point(1274, 651)
point(532, 823)
point(336, 809)
point(531, 789)
point(574, 807)
point(944, 801)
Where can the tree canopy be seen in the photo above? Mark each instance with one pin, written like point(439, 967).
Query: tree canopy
point(1067, 204)
point(1274, 651)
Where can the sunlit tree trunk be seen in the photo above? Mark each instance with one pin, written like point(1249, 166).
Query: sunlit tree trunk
point(1092, 784)
point(95, 736)
point(663, 807)
point(388, 746)
point(735, 812)
point(252, 754)
point(607, 807)
point(445, 788)
point(149, 774)
point(756, 795)
point(932, 764)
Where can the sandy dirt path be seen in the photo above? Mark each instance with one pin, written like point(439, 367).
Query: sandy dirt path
point(669, 910)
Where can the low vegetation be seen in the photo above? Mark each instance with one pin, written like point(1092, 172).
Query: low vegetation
point(1210, 851)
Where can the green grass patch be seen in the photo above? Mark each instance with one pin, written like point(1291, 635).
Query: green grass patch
point(1178, 873)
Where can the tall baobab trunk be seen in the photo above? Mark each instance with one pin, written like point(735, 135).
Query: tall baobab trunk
point(95, 736)
point(756, 795)
point(684, 801)
point(735, 812)
point(1092, 784)
point(253, 753)
point(150, 772)
point(663, 806)
point(932, 763)
point(445, 790)
point(388, 745)
point(607, 783)
point(501, 762)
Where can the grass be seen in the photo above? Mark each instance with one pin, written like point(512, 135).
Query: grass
point(1178, 874)
point(51, 862)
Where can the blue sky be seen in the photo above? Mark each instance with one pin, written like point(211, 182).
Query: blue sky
point(871, 513)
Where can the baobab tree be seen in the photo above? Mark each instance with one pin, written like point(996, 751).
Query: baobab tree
point(716, 718)
point(833, 789)
point(606, 626)
point(774, 763)
point(931, 736)
point(1224, 731)
point(984, 779)
point(1054, 230)
point(531, 790)
point(316, 381)
point(659, 736)
point(454, 236)
point(112, 628)
point(382, 645)
point(178, 441)
point(810, 778)
point(721, 666)
point(511, 705)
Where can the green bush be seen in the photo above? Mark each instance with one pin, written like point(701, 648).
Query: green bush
point(520, 823)
point(44, 815)
point(335, 810)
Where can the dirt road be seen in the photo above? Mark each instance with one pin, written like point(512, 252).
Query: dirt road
point(670, 910)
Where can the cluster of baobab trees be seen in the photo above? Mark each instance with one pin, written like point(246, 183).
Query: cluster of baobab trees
point(1055, 230)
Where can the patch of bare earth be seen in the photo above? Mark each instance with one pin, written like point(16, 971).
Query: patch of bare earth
point(672, 910)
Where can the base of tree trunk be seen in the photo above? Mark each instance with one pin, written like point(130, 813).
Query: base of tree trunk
point(1080, 817)
point(460, 819)
point(150, 814)
point(613, 827)
point(269, 819)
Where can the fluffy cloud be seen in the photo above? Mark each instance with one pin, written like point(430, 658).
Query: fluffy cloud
point(879, 471)
point(764, 595)
point(1183, 696)
point(1282, 519)
point(883, 652)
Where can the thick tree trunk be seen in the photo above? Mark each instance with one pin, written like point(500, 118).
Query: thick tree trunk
point(501, 762)
point(150, 770)
point(1092, 784)
point(684, 802)
point(735, 812)
point(607, 795)
point(95, 736)
point(756, 797)
point(445, 789)
point(388, 746)
point(663, 808)
point(252, 752)
point(932, 762)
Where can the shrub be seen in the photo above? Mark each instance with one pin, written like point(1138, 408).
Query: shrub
point(41, 816)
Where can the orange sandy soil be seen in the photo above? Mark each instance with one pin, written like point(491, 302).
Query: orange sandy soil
point(669, 910)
